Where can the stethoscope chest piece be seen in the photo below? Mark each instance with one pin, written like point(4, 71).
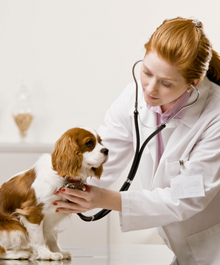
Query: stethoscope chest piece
point(139, 149)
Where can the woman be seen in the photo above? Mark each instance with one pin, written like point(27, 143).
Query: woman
point(187, 152)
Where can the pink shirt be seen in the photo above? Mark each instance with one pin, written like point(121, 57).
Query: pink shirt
point(163, 117)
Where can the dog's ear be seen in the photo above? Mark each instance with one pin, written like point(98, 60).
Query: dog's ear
point(66, 157)
point(98, 172)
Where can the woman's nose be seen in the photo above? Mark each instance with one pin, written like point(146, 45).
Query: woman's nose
point(152, 88)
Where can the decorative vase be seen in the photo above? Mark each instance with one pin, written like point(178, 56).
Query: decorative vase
point(22, 111)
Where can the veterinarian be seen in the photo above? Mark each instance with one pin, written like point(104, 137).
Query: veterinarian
point(180, 167)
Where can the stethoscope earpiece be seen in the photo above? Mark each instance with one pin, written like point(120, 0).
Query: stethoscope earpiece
point(139, 150)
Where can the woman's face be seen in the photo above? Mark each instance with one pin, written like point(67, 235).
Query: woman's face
point(161, 82)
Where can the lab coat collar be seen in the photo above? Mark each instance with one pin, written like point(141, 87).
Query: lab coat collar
point(192, 113)
point(190, 117)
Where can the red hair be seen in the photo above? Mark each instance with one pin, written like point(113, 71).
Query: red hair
point(182, 42)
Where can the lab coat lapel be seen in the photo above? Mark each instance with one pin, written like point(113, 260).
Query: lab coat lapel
point(188, 121)
point(148, 118)
point(177, 143)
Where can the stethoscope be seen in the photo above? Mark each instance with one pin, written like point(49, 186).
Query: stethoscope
point(139, 150)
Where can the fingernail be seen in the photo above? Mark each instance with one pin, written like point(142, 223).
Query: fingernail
point(54, 203)
point(87, 188)
point(56, 192)
point(62, 189)
point(57, 210)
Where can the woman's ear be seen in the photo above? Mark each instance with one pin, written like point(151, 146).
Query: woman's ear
point(196, 82)
point(66, 157)
point(98, 172)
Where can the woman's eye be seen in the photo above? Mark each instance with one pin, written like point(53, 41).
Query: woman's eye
point(89, 144)
point(147, 73)
point(166, 84)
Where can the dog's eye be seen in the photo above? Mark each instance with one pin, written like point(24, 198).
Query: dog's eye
point(89, 144)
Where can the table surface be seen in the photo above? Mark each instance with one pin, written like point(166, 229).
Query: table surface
point(108, 255)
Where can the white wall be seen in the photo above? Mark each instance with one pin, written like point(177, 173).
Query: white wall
point(76, 57)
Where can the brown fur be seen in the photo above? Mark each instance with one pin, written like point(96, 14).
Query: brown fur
point(32, 211)
point(18, 199)
point(2, 250)
point(98, 171)
point(17, 196)
point(67, 155)
point(10, 223)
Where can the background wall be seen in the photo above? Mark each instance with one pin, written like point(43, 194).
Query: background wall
point(76, 57)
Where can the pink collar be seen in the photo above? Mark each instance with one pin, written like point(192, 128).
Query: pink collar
point(182, 101)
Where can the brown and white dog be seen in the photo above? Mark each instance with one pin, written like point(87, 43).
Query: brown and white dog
point(28, 219)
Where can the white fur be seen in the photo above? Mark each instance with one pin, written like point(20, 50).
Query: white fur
point(46, 182)
point(13, 240)
point(90, 130)
point(42, 239)
point(94, 158)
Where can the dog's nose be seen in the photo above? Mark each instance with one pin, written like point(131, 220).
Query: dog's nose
point(104, 151)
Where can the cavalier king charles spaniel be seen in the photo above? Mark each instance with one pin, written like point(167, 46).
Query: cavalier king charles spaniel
point(28, 220)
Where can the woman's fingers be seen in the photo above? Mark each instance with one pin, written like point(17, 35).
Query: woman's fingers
point(82, 201)
point(79, 201)
point(68, 207)
point(66, 193)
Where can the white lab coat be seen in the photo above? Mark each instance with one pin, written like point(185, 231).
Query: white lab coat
point(190, 227)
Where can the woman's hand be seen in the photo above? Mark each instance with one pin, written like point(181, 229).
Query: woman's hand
point(82, 201)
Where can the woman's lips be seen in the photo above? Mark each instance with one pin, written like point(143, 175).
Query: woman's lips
point(152, 98)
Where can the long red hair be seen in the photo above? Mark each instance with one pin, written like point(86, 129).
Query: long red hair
point(183, 42)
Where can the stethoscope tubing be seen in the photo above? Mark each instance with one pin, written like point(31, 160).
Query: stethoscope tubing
point(133, 170)
point(138, 151)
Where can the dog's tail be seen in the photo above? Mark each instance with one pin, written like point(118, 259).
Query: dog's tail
point(12, 233)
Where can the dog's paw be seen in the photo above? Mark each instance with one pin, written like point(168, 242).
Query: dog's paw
point(46, 254)
point(56, 256)
point(14, 254)
point(66, 254)
point(24, 254)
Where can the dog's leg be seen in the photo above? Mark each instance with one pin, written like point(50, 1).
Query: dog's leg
point(12, 245)
point(52, 243)
point(37, 241)
point(52, 221)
